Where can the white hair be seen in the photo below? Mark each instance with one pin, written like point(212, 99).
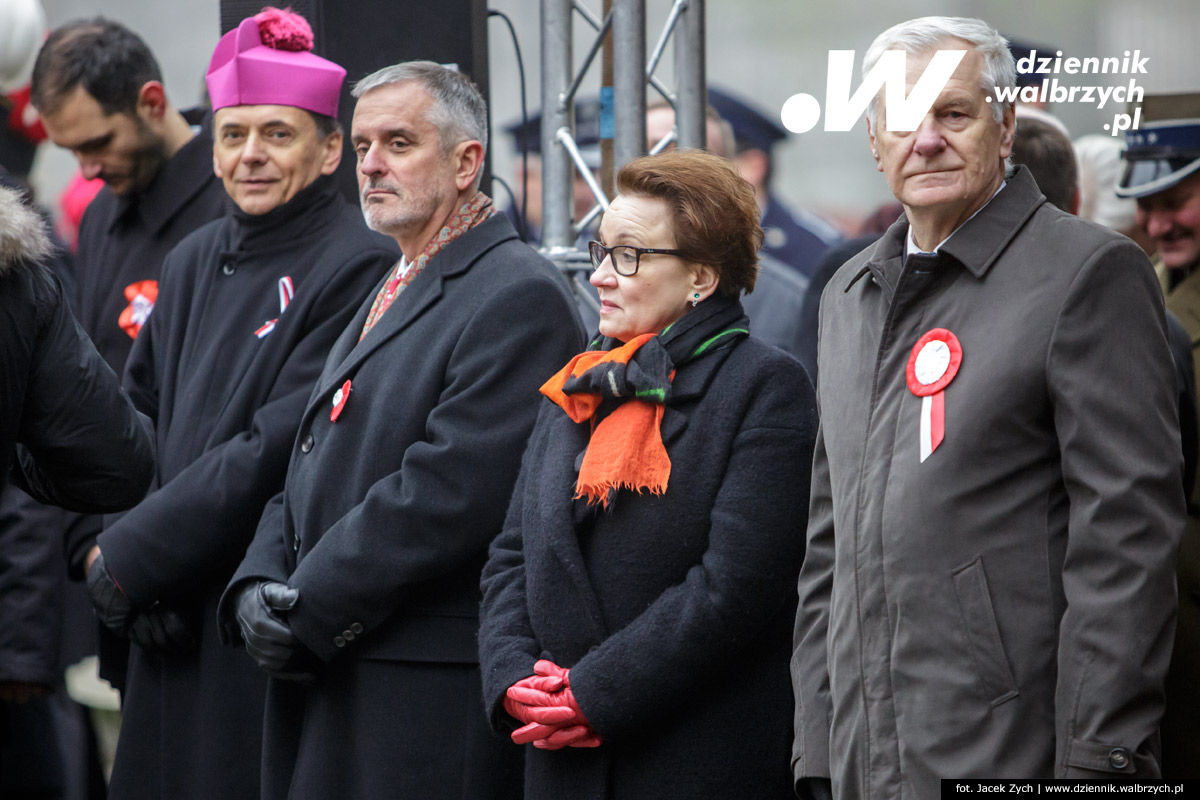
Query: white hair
point(920, 36)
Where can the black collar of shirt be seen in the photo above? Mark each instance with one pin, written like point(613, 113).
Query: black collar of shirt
point(184, 176)
point(305, 212)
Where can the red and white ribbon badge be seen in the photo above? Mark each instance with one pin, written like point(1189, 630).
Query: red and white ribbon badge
point(286, 293)
point(142, 295)
point(933, 364)
point(339, 401)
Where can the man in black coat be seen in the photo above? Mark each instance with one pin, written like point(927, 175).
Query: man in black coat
point(100, 94)
point(247, 310)
point(360, 593)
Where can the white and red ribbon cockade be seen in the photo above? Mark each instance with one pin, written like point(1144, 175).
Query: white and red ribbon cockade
point(286, 292)
point(933, 364)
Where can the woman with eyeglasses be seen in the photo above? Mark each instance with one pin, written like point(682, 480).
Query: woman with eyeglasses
point(638, 606)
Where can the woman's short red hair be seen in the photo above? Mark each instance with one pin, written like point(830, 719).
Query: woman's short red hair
point(714, 215)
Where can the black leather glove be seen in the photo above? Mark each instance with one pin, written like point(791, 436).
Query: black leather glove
point(814, 789)
point(112, 606)
point(269, 640)
point(161, 630)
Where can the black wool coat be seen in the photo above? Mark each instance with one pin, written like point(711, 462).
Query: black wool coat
point(225, 374)
point(385, 521)
point(672, 612)
point(123, 240)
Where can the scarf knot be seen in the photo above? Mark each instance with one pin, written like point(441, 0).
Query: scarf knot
point(625, 450)
point(472, 213)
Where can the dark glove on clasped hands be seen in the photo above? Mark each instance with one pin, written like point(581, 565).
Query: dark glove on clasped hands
point(814, 789)
point(546, 705)
point(112, 606)
point(161, 630)
point(269, 640)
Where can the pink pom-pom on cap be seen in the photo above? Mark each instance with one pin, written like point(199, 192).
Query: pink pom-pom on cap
point(245, 71)
point(283, 29)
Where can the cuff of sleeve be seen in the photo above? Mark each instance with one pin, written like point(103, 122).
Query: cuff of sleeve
point(119, 561)
point(1095, 760)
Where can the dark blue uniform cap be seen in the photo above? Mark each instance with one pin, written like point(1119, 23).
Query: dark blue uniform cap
point(1166, 147)
point(527, 137)
point(752, 129)
point(1022, 49)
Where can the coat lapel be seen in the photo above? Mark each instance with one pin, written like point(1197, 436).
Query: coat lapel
point(555, 509)
point(418, 297)
point(691, 382)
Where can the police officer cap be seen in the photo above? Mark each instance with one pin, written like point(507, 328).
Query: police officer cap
point(752, 129)
point(527, 136)
point(1027, 50)
point(1166, 147)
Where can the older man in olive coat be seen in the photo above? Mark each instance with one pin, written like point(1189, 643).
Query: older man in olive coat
point(989, 583)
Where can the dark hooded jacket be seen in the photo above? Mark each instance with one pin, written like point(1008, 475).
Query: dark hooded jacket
point(80, 443)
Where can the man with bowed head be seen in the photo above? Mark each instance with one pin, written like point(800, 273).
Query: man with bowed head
point(360, 592)
point(248, 307)
point(989, 585)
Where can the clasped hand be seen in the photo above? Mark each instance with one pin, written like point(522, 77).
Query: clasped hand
point(157, 629)
point(546, 705)
point(269, 640)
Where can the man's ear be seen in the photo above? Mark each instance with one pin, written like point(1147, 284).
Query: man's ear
point(468, 160)
point(874, 146)
point(152, 101)
point(1008, 132)
point(332, 155)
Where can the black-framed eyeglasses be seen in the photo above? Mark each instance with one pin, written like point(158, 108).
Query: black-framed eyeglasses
point(625, 257)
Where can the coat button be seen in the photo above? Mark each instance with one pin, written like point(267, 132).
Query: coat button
point(357, 628)
point(306, 443)
point(348, 635)
point(339, 641)
point(228, 268)
point(1118, 758)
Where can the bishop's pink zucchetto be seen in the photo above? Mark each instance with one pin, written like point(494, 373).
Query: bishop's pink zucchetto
point(268, 60)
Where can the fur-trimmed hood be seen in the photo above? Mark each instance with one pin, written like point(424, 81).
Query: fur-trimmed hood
point(23, 234)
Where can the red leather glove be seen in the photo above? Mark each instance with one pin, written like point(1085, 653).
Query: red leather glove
point(545, 702)
point(573, 736)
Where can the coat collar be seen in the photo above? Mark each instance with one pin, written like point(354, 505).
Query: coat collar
point(425, 290)
point(977, 245)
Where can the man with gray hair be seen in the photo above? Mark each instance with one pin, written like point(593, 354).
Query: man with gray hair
point(401, 474)
point(988, 589)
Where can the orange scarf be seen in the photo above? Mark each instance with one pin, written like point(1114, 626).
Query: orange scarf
point(626, 449)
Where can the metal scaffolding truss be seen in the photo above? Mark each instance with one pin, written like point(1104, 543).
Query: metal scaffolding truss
point(626, 113)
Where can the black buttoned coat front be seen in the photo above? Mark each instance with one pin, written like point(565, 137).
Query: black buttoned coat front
point(386, 517)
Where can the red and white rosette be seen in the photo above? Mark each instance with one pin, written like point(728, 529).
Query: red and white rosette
point(933, 364)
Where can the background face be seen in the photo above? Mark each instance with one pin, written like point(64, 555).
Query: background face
point(1172, 221)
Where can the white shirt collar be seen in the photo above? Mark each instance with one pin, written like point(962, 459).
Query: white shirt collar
point(910, 244)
